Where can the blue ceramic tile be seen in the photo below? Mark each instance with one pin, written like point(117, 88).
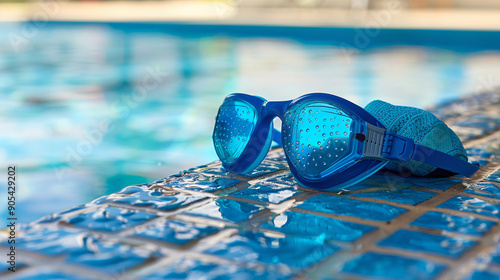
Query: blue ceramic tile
point(176, 231)
point(111, 219)
point(465, 225)
point(191, 269)
point(217, 170)
point(196, 181)
point(251, 246)
point(383, 266)
point(282, 179)
point(495, 256)
point(318, 227)
point(155, 198)
point(482, 123)
point(111, 258)
point(61, 215)
point(483, 275)
point(495, 176)
point(470, 204)
point(227, 210)
point(53, 241)
point(46, 274)
point(267, 192)
point(484, 189)
point(349, 207)
point(83, 248)
point(426, 242)
point(268, 166)
point(478, 152)
point(400, 196)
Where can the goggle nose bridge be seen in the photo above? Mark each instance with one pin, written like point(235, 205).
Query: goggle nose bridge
point(272, 109)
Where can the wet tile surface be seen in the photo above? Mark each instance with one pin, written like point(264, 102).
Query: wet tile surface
point(384, 266)
point(190, 269)
point(459, 224)
point(270, 249)
point(344, 206)
point(199, 182)
point(317, 227)
point(80, 247)
point(472, 204)
point(176, 231)
point(111, 219)
point(484, 275)
point(227, 210)
point(268, 192)
point(46, 274)
point(485, 189)
point(404, 196)
point(145, 196)
point(426, 242)
point(206, 223)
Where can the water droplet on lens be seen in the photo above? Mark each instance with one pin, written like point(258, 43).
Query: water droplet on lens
point(324, 134)
point(317, 126)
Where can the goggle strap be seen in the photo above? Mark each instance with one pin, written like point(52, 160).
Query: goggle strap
point(443, 161)
point(401, 148)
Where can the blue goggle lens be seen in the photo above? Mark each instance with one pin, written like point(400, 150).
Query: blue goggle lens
point(234, 125)
point(316, 136)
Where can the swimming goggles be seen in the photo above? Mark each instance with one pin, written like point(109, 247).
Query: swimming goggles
point(329, 142)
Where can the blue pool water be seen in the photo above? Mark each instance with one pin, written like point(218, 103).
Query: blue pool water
point(88, 109)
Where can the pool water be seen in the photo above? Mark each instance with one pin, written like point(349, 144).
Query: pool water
point(89, 109)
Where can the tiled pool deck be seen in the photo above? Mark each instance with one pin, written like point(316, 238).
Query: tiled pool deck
point(205, 223)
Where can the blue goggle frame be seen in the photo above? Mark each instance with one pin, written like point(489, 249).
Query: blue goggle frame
point(329, 142)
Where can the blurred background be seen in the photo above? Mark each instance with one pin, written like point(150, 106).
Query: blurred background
point(98, 95)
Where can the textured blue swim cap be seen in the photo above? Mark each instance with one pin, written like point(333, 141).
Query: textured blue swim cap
point(421, 126)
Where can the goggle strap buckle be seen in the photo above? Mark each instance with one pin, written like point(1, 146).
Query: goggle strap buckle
point(374, 142)
point(397, 147)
